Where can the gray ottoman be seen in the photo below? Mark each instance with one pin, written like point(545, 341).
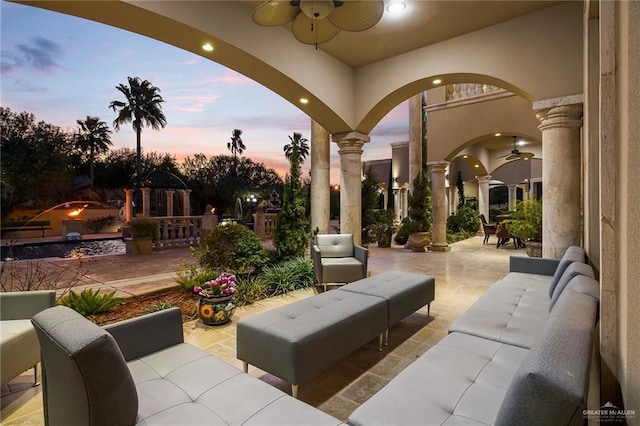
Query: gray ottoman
point(404, 292)
point(297, 341)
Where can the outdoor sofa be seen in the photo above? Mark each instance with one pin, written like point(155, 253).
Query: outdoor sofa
point(141, 372)
point(519, 356)
point(19, 348)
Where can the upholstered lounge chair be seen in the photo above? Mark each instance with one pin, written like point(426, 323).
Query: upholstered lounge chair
point(336, 259)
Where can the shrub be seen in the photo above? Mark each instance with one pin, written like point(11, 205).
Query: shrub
point(142, 227)
point(526, 222)
point(158, 307)
point(407, 226)
point(191, 275)
point(232, 248)
point(465, 219)
point(90, 302)
point(249, 289)
point(97, 224)
point(291, 275)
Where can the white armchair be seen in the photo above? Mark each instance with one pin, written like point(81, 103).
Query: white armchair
point(336, 259)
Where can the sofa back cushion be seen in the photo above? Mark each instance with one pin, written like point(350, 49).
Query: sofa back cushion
point(85, 377)
point(574, 269)
point(551, 384)
point(572, 254)
point(335, 245)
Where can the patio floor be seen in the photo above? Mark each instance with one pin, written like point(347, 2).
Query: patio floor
point(462, 275)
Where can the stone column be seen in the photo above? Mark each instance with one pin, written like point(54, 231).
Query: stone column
point(513, 196)
point(186, 202)
point(437, 170)
point(560, 126)
point(320, 177)
point(146, 202)
point(415, 138)
point(350, 151)
point(483, 195)
point(405, 202)
point(452, 200)
point(128, 204)
point(169, 194)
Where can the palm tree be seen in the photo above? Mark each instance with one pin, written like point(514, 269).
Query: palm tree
point(95, 137)
point(143, 107)
point(297, 147)
point(236, 146)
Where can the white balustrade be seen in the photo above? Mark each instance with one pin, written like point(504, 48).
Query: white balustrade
point(178, 231)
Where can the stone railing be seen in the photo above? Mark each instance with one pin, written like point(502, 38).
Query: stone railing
point(178, 231)
point(265, 224)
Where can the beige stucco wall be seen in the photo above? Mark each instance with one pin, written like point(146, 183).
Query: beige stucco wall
point(511, 115)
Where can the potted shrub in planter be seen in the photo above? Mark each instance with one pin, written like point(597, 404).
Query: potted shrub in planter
point(383, 228)
point(420, 212)
point(143, 232)
point(526, 224)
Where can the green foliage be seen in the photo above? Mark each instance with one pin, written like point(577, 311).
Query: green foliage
point(407, 226)
point(420, 202)
point(526, 222)
point(191, 275)
point(232, 248)
point(249, 289)
point(495, 212)
point(459, 236)
point(158, 307)
point(466, 219)
point(90, 302)
point(142, 227)
point(460, 186)
point(97, 224)
point(291, 234)
point(384, 225)
point(291, 275)
point(369, 198)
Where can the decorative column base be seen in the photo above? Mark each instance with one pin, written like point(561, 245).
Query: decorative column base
point(439, 247)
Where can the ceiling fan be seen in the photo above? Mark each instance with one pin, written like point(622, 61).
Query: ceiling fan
point(515, 153)
point(318, 21)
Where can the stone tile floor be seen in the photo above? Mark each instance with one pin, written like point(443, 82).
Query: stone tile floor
point(462, 275)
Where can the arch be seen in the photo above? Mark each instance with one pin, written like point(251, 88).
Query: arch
point(343, 99)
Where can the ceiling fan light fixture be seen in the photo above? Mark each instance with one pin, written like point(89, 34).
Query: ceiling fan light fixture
point(396, 7)
point(317, 9)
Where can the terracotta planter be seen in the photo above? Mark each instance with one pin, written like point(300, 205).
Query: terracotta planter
point(418, 241)
point(384, 240)
point(534, 249)
point(216, 310)
point(138, 246)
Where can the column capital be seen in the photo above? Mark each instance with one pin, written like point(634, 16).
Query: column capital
point(437, 166)
point(350, 146)
point(562, 116)
point(170, 191)
point(350, 136)
point(483, 179)
point(145, 190)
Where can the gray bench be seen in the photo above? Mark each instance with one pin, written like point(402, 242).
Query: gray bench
point(297, 341)
point(404, 293)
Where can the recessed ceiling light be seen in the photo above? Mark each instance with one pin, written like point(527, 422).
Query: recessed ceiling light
point(396, 7)
point(207, 47)
point(304, 101)
point(437, 81)
point(498, 134)
point(465, 156)
point(477, 165)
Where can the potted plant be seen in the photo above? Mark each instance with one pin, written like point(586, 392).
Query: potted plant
point(143, 231)
point(215, 299)
point(526, 224)
point(383, 228)
point(420, 212)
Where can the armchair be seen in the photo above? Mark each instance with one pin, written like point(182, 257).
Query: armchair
point(336, 259)
point(487, 228)
point(19, 347)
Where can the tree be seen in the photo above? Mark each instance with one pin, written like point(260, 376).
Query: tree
point(297, 147)
point(460, 186)
point(236, 146)
point(95, 137)
point(290, 235)
point(143, 107)
point(369, 203)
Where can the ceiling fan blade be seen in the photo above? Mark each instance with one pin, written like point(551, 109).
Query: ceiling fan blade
point(323, 30)
point(355, 16)
point(274, 12)
point(527, 155)
point(512, 157)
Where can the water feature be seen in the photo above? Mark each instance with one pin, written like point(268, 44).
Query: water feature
point(63, 249)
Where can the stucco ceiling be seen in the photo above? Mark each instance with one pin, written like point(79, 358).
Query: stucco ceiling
point(422, 23)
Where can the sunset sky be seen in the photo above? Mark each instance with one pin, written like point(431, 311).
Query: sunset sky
point(62, 68)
